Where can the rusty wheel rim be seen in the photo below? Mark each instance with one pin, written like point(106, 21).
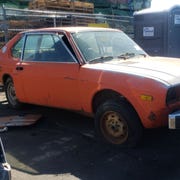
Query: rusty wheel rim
point(11, 93)
point(114, 127)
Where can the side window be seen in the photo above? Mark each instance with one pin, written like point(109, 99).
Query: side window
point(47, 43)
point(53, 49)
point(31, 46)
point(17, 48)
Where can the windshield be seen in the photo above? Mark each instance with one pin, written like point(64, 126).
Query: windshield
point(106, 45)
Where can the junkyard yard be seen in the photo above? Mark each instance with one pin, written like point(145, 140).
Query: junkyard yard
point(62, 145)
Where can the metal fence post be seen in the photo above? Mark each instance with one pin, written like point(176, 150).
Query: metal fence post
point(5, 25)
point(54, 20)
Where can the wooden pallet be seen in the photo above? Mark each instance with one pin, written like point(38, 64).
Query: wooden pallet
point(79, 4)
point(64, 5)
point(13, 24)
point(83, 21)
point(61, 3)
point(37, 4)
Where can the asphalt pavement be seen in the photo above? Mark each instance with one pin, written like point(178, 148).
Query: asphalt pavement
point(62, 145)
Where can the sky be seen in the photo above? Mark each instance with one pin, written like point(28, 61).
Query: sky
point(163, 3)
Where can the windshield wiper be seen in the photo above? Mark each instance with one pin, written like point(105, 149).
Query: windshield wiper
point(126, 56)
point(101, 59)
point(129, 55)
point(142, 55)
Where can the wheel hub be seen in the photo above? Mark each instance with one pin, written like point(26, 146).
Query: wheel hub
point(115, 127)
point(12, 93)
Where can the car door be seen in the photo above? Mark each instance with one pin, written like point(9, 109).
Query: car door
point(63, 76)
point(49, 71)
point(32, 73)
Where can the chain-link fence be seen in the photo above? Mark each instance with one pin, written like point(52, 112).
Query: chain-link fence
point(15, 20)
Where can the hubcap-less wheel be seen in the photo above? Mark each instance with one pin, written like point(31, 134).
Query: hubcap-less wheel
point(118, 124)
point(11, 94)
point(10, 91)
point(114, 127)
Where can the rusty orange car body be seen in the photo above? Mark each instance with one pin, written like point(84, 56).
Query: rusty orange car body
point(92, 80)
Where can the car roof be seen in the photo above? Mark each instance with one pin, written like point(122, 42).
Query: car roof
point(71, 29)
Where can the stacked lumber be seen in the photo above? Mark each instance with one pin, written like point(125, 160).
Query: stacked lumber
point(78, 6)
point(81, 21)
point(57, 4)
point(1, 39)
point(31, 23)
point(37, 4)
point(17, 24)
point(63, 5)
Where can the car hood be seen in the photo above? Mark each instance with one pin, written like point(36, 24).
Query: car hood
point(166, 70)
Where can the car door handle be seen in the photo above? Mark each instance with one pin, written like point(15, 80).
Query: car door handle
point(19, 68)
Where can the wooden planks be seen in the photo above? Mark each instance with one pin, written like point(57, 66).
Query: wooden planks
point(82, 6)
point(65, 5)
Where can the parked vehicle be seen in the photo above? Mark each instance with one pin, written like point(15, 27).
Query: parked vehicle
point(100, 72)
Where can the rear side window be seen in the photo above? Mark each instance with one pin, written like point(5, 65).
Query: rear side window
point(16, 50)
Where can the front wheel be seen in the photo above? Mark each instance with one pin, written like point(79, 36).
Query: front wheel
point(117, 123)
point(11, 94)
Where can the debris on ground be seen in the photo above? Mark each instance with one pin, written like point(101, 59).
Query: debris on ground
point(18, 120)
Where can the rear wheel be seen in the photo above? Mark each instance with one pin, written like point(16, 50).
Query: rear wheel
point(11, 94)
point(117, 123)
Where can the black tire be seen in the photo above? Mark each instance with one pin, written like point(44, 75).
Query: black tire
point(11, 94)
point(117, 123)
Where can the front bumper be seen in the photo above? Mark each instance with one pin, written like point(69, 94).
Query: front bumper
point(174, 120)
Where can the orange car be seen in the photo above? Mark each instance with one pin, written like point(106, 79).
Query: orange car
point(100, 72)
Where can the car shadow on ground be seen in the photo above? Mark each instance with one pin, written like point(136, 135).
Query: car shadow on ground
point(64, 142)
